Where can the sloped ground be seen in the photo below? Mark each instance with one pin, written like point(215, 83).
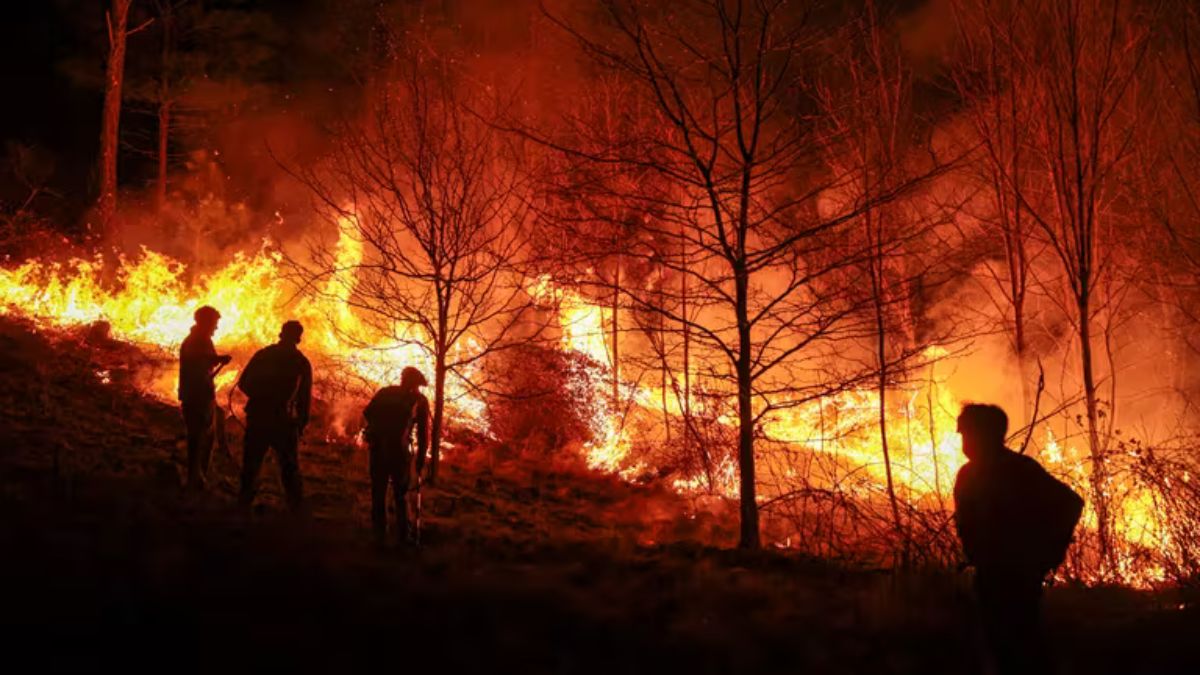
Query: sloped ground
point(106, 563)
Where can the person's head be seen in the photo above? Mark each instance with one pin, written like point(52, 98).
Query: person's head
point(206, 319)
point(983, 428)
point(412, 379)
point(291, 332)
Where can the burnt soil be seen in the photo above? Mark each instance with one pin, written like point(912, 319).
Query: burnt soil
point(106, 563)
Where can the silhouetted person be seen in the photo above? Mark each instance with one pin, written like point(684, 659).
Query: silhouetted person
point(278, 386)
point(198, 363)
point(1015, 522)
point(392, 416)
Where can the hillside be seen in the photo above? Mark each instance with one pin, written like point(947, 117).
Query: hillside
point(526, 566)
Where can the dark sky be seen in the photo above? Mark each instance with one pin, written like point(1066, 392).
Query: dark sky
point(42, 106)
point(46, 107)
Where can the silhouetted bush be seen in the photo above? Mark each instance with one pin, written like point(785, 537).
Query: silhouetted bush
point(541, 399)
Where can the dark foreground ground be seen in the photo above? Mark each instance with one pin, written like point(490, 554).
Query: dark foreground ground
point(105, 564)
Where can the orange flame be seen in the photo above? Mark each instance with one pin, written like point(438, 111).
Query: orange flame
point(151, 301)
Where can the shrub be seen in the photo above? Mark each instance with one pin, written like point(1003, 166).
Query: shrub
point(540, 399)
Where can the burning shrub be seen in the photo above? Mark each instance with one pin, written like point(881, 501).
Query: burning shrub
point(541, 399)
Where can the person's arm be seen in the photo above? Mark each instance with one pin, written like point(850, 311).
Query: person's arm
point(246, 379)
point(422, 413)
point(304, 393)
point(183, 356)
point(371, 409)
point(370, 414)
point(967, 515)
point(212, 360)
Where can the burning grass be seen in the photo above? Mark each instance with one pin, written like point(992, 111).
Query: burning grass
point(821, 471)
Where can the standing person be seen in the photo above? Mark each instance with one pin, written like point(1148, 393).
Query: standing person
point(278, 386)
point(1015, 522)
point(198, 364)
point(391, 416)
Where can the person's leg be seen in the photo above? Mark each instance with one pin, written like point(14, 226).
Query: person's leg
point(379, 486)
point(1009, 607)
point(222, 441)
point(192, 428)
point(287, 449)
point(207, 437)
point(994, 619)
point(254, 450)
point(197, 420)
point(401, 486)
point(1032, 654)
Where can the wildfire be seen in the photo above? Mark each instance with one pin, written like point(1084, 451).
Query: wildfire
point(925, 447)
point(149, 300)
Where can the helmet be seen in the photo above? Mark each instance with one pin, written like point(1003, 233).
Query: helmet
point(206, 315)
point(411, 377)
point(291, 331)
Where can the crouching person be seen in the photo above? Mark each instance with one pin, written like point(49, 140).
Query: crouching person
point(392, 416)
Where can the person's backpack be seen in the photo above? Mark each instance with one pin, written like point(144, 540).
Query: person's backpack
point(386, 412)
point(1060, 508)
point(269, 377)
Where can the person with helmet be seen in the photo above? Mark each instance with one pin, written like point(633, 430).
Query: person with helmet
point(278, 386)
point(391, 418)
point(198, 364)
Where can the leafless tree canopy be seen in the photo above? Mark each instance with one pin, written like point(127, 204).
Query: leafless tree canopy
point(435, 199)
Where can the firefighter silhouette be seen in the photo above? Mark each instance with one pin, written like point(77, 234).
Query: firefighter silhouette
point(1015, 522)
point(278, 386)
point(392, 416)
point(198, 364)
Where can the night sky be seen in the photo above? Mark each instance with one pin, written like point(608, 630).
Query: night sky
point(50, 109)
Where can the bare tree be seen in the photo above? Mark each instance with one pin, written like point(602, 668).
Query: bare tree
point(993, 75)
point(1084, 124)
point(874, 136)
point(735, 146)
point(166, 10)
point(435, 198)
point(117, 20)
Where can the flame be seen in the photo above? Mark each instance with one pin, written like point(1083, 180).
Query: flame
point(149, 299)
point(924, 445)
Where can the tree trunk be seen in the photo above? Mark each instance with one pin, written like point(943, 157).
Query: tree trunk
point(664, 377)
point(690, 438)
point(933, 443)
point(875, 241)
point(441, 349)
point(164, 126)
point(616, 352)
point(164, 111)
point(686, 404)
point(1091, 402)
point(439, 408)
point(746, 473)
point(114, 76)
point(665, 374)
point(1022, 354)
